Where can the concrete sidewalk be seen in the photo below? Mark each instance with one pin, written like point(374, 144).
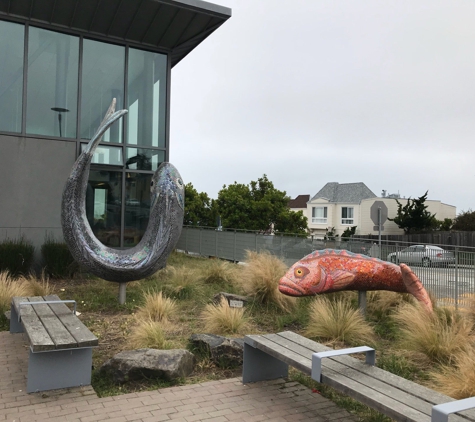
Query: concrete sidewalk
point(217, 401)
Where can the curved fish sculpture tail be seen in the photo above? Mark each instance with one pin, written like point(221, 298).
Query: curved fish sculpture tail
point(162, 233)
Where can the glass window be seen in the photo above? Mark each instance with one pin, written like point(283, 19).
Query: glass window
point(347, 215)
point(146, 91)
point(102, 80)
point(11, 76)
point(105, 154)
point(137, 207)
point(52, 83)
point(103, 205)
point(144, 159)
point(319, 215)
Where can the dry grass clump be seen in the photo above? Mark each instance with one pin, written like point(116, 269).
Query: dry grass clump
point(457, 380)
point(440, 335)
point(260, 279)
point(37, 286)
point(338, 321)
point(156, 307)
point(382, 302)
point(8, 289)
point(219, 272)
point(181, 282)
point(149, 334)
point(222, 319)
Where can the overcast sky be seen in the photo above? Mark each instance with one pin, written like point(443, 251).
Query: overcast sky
point(317, 91)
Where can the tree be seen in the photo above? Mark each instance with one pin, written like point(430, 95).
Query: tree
point(348, 233)
point(258, 206)
point(465, 221)
point(199, 208)
point(414, 217)
point(445, 225)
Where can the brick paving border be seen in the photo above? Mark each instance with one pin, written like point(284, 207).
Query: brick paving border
point(214, 401)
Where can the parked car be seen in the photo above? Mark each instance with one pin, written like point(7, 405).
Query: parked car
point(425, 255)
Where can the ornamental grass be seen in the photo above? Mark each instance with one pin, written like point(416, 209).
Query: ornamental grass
point(383, 302)
point(456, 380)
point(219, 272)
point(156, 307)
point(260, 279)
point(338, 321)
point(9, 288)
point(149, 334)
point(222, 319)
point(181, 282)
point(37, 286)
point(440, 336)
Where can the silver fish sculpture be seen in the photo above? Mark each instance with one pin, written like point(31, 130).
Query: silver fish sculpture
point(167, 202)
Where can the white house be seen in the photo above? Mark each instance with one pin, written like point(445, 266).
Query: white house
point(343, 205)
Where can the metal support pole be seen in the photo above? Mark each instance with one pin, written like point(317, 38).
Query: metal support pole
point(362, 302)
point(379, 232)
point(234, 248)
point(122, 288)
point(456, 278)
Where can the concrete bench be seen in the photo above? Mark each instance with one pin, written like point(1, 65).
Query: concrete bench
point(60, 344)
point(269, 356)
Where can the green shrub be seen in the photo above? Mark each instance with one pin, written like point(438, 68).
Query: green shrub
point(57, 260)
point(16, 256)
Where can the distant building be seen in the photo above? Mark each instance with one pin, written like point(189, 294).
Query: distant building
point(299, 203)
point(344, 205)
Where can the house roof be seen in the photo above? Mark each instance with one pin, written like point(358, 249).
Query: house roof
point(352, 193)
point(173, 26)
point(299, 202)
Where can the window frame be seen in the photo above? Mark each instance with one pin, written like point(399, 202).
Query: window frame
point(345, 219)
point(321, 220)
point(164, 119)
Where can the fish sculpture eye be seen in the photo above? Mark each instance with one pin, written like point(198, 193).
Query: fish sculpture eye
point(301, 272)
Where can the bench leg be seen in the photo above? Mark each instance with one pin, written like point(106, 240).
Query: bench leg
point(59, 369)
point(15, 325)
point(259, 366)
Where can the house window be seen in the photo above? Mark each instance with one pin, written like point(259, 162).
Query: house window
point(347, 215)
point(319, 215)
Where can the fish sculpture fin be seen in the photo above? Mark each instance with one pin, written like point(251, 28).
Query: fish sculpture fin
point(415, 287)
point(341, 279)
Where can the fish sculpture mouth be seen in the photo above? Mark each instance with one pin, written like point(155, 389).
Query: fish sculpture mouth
point(289, 288)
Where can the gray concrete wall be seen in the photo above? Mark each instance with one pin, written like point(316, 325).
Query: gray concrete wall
point(32, 176)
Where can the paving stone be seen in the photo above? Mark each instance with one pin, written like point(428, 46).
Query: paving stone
point(214, 401)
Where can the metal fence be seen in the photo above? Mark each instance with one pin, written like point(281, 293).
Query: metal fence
point(449, 274)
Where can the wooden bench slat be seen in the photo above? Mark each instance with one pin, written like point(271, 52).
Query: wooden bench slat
point(76, 328)
point(38, 337)
point(365, 383)
point(349, 386)
point(417, 390)
point(56, 330)
point(361, 373)
point(291, 358)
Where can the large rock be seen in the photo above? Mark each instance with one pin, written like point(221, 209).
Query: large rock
point(149, 363)
point(224, 352)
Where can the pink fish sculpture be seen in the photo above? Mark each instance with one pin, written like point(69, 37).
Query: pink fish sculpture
point(330, 270)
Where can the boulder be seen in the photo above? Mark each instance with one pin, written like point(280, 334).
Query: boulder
point(223, 351)
point(149, 363)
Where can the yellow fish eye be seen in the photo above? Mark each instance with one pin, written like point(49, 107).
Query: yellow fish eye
point(300, 272)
